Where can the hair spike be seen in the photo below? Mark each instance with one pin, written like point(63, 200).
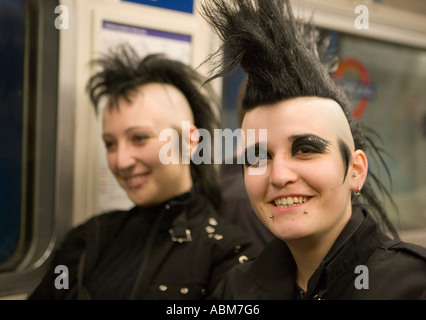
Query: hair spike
point(265, 33)
point(284, 58)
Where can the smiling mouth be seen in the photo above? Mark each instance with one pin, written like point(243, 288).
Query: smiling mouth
point(287, 202)
point(135, 181)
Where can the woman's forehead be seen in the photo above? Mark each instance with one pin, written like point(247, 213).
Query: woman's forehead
point(170, 102)
point(155, 101)
point(302, 114)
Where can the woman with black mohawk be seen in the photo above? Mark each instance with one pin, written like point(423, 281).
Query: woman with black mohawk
point(309, 184)
point(172, 244)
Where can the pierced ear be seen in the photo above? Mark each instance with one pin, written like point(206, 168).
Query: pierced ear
point(194, 138)
point(359, 170)
point(190, 137)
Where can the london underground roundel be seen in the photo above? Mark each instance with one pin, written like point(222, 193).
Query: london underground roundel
point(353, 76)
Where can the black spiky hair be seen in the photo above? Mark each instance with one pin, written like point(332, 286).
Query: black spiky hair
point(285, 58)
point(265, 33)
point(122, 71)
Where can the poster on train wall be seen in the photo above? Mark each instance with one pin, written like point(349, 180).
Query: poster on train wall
point(144, 41)
point(186, 6)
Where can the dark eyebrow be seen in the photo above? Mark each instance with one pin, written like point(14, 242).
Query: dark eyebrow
point(107, 135)
point(320, 144)
point(309, 137)
point(146, 128)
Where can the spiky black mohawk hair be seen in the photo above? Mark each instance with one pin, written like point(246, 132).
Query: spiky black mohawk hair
point(279, 53)
point(285, 58)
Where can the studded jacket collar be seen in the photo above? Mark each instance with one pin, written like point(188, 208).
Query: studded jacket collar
point(174, 264)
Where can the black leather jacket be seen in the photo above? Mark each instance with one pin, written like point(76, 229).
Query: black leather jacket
point(184, 249)
point(389, 269)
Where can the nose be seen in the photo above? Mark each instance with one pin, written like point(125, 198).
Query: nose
point(281, 172)
point(124, 158)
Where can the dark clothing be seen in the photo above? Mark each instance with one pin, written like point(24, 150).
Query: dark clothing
point(236, 205)
point(177, 250)
point(396, 270)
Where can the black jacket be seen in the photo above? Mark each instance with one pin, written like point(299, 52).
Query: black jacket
point(389, 269)
point(178, 250)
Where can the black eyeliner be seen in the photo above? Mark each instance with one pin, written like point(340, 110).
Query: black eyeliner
point(253, 152)
point(318, 144)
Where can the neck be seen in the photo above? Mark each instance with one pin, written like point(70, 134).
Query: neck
point(308, 256)
point(310, 251)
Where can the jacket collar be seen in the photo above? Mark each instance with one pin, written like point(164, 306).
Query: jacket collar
point(171, 205)
point(273, 272)
point(274, 269)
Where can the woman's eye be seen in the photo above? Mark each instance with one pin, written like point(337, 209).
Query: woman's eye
point(255, 158)
point(305, 149)
point(139, 138)
point(109, 145)
point(306, 145)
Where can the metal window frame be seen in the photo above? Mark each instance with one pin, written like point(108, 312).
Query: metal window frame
point(48, 188)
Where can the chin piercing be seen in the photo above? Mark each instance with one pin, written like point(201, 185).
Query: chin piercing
point(305, 212)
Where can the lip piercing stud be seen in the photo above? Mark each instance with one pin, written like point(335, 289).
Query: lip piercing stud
point(306, 212)
point(270, 217)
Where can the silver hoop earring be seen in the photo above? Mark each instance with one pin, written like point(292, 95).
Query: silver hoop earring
point(357, 192)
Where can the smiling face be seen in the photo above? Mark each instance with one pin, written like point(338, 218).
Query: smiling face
point(131, 135)
point(305, 170)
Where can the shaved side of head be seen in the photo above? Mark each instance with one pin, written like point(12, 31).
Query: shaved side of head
point(176, 108)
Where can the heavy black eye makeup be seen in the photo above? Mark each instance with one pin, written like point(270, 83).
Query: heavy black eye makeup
point(308, 143)
point(300, 145)
point(254, 154)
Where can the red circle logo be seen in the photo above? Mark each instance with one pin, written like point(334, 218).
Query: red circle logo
point(364, 81)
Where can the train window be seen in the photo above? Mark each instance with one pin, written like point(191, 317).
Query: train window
point(29, 51)
point(386, 84)
point(12, 28)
